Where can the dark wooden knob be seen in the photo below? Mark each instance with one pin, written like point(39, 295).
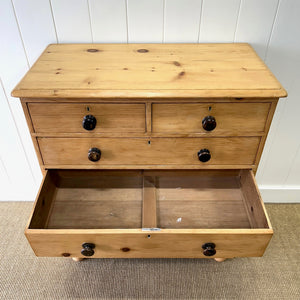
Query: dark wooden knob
point(209, 249)
point(88, 249)
point(209, 123)
point(204, 155)
point(89, 122)
point(94, 154)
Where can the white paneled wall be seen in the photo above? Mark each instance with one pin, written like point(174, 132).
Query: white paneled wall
point(270, 26)
point(218, 20)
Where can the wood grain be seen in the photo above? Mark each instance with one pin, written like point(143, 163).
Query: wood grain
point(149, 101)
point(34, 140)
point(44, 202)
point(160, 151)
point(202, 214)
point(239, 118)
point(267, 128)
point(149, 203)
point(104, 215)
point(97, 200)
point(67, 117)
point(253, 202)
point(168, 243)
point(149, 70)
point(189, 200)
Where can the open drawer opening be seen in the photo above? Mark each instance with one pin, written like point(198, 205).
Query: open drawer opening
point(152, 200)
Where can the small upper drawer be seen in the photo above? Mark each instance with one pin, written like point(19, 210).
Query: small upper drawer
point(228, 118)
point(69, 117)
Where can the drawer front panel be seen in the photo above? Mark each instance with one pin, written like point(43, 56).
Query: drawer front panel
point(234, 118)
point(68, 117)
point(124, 245)
point(155, 151)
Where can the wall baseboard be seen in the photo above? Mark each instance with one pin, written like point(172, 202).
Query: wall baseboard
point(280, 195)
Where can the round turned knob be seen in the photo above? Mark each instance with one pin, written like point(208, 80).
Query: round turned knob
point(89, 122)
point(204, 155)
point(209, 123)
point(88, 249)
point(94, 154)
point(209, 249)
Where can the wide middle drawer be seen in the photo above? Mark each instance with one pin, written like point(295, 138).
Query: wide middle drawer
point(154, 151)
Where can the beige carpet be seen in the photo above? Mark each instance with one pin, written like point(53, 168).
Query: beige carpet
point(274, 276)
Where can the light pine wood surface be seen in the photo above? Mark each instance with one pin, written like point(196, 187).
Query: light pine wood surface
point(154, 151)
point(149, 70)
point(105, 208)
point(237, 118)
point(149, 102)
point(67, 118)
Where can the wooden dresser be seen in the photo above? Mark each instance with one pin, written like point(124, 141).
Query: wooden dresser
point(149, 150)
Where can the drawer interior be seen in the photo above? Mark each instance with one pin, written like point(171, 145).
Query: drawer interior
point(103, 199)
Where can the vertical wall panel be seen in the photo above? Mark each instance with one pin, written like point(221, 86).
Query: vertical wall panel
point(36, 26)
point(4, 179)
point(108, 19)
point(218, 20)
point(13, 66)
point(293, 178)
point(181, 21)
point(145, 21)
point(283, 59)
point(255, 23)
point(19, 184)
point(72, 21)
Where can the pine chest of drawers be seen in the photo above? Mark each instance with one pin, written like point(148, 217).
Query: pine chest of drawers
point(149, 150)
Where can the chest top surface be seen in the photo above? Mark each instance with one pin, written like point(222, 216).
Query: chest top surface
point(149, 71)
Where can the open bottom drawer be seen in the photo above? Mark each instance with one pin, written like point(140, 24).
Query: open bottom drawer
point(149, 214)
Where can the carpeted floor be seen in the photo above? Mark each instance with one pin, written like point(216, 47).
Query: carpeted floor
point(274, 276)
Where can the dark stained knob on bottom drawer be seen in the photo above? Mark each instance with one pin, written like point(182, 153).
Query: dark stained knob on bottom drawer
point(94, 154)
point(209, 249)
point(88, 249)
point(204, 155)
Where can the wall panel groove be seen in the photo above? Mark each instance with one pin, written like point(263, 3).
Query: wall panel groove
point(271, 33)
point(145, 21)
point(200, 16)
point(19, 30)
point(17, 150)
point(90, 20)
point(72, 21)
point(108, 21)
point(52, 16)
point(218, 20)
point(237, 20)
point(283, 59)
point(36, 29)
point(182, 21)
